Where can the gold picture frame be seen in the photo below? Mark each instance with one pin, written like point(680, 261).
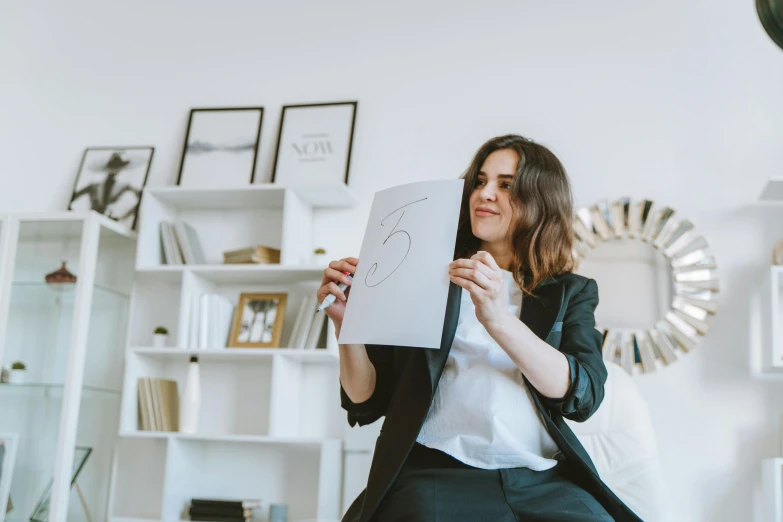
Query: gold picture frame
point(246, 332)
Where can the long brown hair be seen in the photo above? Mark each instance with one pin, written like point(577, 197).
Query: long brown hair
point(541, 228)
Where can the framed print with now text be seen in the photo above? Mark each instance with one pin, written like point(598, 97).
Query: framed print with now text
point(314, 144)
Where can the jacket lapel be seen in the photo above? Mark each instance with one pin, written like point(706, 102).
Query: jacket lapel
point(538, 313)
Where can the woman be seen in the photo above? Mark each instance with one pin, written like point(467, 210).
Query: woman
point(475, 431)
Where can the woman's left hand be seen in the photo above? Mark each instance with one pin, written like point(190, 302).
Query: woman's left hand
point(481, 276)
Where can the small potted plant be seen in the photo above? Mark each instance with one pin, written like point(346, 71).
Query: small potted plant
point(159, 337)
point(319, 256)
point(17, 373)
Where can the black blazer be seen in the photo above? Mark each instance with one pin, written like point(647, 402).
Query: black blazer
point(563, 314)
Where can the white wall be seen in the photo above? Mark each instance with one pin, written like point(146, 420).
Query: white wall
point(676, 101)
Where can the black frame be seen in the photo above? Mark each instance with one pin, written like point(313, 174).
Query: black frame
point(143, 184)
point(223, 109)
point(350, 140)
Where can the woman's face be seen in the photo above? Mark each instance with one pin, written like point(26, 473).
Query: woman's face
point(490, 203)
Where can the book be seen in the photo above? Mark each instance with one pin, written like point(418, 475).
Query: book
point(226, 502)
point(315, 330)
point(144, 406)
point(158, 404)
point(169, 249)
point(209, 321)
point(256, 254)
point(189, 244)
point(220, 512)
point(302, 315)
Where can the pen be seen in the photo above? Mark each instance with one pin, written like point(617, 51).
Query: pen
point(329, 299)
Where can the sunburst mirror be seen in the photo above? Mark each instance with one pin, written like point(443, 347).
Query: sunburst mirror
point(656, 280)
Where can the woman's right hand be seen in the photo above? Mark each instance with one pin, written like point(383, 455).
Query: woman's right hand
point(333, 276)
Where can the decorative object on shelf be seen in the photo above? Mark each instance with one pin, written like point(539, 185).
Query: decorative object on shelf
point(160, 336)
point(777, 253)
point(4, 373)
point(319, 256)
point(61, 275)
point(17, 373)
point(8, 447)
point(41, 511)
point(259, 254)
point(221, 147)
point(190, 403)
point(110, 181)
point(278, 513)
point(258, 321)
point(690, 274)
point(314, 144)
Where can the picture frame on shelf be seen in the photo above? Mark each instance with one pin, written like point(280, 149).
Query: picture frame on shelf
point(314, 144)
point(9, 443)
point(41, 510)
point(110, 181)
point(221, 147)
point(258, 320)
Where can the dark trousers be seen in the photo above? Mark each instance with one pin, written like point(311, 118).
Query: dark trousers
point(435, 487)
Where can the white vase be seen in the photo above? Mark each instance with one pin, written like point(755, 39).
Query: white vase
point(319, 259)
point(17, 376)
point(159, 340)
point(190, 401)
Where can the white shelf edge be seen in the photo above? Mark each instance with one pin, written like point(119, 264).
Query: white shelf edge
point(255, 439)
point(341, 195)
point(320, 354)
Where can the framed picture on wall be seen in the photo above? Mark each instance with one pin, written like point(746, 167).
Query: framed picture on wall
point(8, 447)
point(258, 321)
point(110, 180)
point(314, 144)
point(221, 147)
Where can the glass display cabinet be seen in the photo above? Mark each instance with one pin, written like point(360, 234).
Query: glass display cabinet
point(65, 281)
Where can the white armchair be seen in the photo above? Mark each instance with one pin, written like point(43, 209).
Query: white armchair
point(620, 440)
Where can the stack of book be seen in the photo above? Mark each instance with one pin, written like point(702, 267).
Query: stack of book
point(309, 326)
point(256, 254)
point(222, 510)
point(158, 405)
point(180, 244)
point(209, 321)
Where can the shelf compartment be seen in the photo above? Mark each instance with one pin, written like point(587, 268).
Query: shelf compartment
point(305, 478)
point(139, 469)
point(235, 395)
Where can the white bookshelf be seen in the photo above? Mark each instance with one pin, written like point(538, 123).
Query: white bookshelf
point(271, 426)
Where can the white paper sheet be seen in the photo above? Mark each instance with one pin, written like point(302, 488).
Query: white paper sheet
point(399, 292)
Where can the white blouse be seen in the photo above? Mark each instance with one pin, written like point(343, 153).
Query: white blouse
point(482, 413)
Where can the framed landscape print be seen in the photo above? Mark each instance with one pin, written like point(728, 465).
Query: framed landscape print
point(314, 144)
point(258, 321)
point(221, 147)
point(110, 180)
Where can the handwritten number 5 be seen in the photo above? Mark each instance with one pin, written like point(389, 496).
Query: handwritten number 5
point(394, 231)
